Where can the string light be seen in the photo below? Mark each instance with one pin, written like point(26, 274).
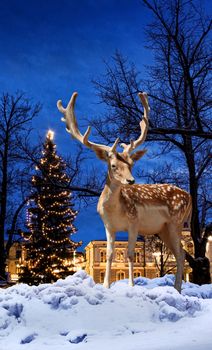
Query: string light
point(50, 135)
point(50, 217)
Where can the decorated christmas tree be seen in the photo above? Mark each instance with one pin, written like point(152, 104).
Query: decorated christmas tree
point(50, 217)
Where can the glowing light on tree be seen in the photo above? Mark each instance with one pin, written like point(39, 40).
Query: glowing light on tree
point(50, 218)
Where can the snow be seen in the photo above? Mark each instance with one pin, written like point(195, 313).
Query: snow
point(76, 313)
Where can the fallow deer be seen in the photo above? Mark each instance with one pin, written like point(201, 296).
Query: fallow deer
point(138, 209)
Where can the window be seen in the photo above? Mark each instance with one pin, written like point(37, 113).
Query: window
point(103, 256)
point(18, 254)
point(137, 274)
point(120, 275)
point(137, 257)
point(119, 256)
point(18, 270)
point(102, 276)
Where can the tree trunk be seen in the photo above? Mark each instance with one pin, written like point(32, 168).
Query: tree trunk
point(161, 261)
point(2, 255)
point(200, 264)
point(200, 269)
point(3, 211)
point(2, 229)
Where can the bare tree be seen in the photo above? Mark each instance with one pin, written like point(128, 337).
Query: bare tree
point(178, 83)
point(16, 113)
point(18, 157)
point(161, 254)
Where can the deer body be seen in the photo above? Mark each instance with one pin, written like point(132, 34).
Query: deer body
point(115, 213)
point(138, 209)
point(140, 216)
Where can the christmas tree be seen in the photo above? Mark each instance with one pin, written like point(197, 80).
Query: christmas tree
point(50, 216)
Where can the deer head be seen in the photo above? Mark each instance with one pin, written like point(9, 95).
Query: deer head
point(119, 163)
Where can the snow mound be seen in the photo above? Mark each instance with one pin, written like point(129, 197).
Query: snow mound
point(76, 310)
point(188, 288)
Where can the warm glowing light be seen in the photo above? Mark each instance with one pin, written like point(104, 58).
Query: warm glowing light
point(50, 220)
point(50, 134)
point(156, 254)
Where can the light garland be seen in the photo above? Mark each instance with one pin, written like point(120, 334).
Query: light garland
point(45, 215)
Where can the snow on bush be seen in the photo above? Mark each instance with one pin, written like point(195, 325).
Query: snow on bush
point(76, 309)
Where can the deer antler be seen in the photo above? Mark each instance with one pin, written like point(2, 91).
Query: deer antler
point(72, 126)
point(144, 124)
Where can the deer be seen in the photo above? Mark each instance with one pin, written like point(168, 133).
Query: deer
point(139, 209)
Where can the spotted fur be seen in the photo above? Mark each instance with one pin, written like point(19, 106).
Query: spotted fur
point(175, 198)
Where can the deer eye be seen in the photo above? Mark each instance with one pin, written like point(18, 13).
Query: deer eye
point(113, 166)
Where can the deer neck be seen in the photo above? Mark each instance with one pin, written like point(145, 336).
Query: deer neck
point(110, 195)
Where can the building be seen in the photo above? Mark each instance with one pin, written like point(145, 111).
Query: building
point(96, 260)
point(146, 260)
point(17, 259)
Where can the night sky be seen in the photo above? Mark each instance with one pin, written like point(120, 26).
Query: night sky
point(51, 48)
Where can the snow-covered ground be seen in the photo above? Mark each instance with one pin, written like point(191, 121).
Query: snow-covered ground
point(76, 313)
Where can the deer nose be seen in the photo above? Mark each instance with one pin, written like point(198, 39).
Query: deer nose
point(131, 182)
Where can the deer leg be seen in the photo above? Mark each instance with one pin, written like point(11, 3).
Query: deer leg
point(172, 238)
point(180, 269)
point(130, 256)
point(110, 250)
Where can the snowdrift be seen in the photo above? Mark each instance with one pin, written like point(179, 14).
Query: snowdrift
point(76, 313)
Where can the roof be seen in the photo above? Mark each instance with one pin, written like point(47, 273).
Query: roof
point(120, 237)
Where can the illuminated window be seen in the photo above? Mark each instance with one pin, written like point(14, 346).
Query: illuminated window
point(137, 257)
point(119, 256)
point(18, 270)
point(18, 254)
point(120, 275)
point(103, 256)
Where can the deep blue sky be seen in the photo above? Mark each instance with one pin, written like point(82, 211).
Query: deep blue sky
point(51, 48)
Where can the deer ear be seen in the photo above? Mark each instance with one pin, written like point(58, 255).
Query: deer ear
point(102, 154)
point(137, 155)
